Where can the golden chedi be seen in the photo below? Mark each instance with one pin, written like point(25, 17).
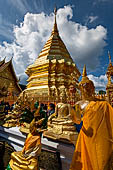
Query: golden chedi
point(51, 72)
point(60, 125)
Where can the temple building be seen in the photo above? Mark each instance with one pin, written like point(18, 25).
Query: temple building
point(53, 70)
point(9, 87)
point(109, 86)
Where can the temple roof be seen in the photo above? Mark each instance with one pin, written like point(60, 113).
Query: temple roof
point(54, 47)
point(4, 65)
point(2, 62)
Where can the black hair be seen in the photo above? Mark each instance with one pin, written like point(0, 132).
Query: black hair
point(52, 105)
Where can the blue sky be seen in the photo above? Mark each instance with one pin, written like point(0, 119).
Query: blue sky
point(86, 27)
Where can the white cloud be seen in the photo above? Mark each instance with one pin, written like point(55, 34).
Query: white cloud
point(85, 45)
point(99, 82)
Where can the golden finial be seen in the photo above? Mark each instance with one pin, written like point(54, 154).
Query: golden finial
point(85, 82)
point(55, 30)
point(109, 57)
point(84, 74)
point(55, 10)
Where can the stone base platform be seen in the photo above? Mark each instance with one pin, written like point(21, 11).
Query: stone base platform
point(17, 139)
point(13, 136)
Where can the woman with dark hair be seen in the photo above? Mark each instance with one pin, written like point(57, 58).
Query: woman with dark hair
point(51, 109)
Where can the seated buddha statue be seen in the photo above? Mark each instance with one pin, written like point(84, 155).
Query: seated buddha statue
point(12, 118)
point(22, 108)
point(27, 158)
point(60, 125)
point(62, 110)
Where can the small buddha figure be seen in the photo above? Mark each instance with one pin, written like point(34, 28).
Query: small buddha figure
point(60, 125)
point(72, 97)
point(27, 158)
point(95, 140)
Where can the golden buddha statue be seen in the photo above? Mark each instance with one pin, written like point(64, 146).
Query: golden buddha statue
point(27, 158)
point(33, 112)
point(22, 105)
point(62, 108)
point(12, 118)
point(87, 89)
point(94, 143)
point(60, 124)
point(25, 127)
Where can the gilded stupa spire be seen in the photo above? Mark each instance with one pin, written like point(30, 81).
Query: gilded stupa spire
point(84, 74)
point(55, 29)
point(55, 12)
point(86, 83)
point(54, 47)
point(109, 58)
point(109, 69)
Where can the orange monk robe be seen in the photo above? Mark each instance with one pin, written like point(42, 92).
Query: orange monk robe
point(92, 153)
point(27, 158)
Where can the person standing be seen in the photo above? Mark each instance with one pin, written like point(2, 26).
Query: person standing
point(51, 109)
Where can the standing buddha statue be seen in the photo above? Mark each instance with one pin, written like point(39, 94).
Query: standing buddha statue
point(87, 89)
point(95, 140)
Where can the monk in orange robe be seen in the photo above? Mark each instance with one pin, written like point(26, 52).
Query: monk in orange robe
point(95, 140)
